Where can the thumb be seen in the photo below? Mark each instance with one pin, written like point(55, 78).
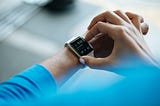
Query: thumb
point(95, 62)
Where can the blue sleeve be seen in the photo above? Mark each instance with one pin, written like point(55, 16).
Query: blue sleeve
point(33, 82)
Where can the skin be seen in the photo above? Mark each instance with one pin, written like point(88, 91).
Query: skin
point(126, 31)
point(112, 35)
point(62, 65)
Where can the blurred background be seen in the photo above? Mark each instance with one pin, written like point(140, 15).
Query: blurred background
point(32, 30)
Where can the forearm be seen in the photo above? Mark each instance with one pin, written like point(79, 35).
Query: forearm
point(41, 79)
point(62, 65)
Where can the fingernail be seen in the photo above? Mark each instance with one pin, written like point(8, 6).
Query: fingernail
point(82, 61)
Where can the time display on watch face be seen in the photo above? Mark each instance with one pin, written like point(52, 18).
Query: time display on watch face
point(81, 46)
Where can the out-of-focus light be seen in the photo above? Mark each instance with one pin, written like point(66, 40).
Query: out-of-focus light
point(38, 2)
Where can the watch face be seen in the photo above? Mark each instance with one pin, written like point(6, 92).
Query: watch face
point(81, 46)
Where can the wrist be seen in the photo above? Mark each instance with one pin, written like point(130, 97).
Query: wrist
point(71, 59)
point(62, 65)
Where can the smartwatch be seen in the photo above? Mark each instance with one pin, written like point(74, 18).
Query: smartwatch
point(80, 46)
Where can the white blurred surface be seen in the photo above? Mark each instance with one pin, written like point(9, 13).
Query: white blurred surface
point(40, 37)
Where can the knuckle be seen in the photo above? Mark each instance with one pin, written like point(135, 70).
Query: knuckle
point(94, 19)
point(99, 23)
point(122, 30)
point(108, 12)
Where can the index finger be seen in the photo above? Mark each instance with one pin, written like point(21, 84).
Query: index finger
point(108, 16)
point(104, 28)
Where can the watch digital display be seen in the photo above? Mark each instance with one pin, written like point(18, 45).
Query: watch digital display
point(81, 46)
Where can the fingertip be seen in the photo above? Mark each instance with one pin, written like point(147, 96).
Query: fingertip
point(145, 28)
point(82, 61)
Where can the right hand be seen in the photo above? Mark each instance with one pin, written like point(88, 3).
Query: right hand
point(126, 30)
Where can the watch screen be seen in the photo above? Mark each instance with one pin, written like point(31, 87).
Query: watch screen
point(81, 46)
